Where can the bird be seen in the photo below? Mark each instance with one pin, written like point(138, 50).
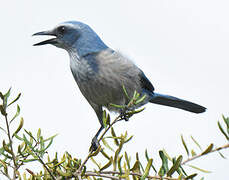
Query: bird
point(101, 72)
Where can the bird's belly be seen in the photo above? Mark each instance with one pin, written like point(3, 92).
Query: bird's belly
point(102, 93)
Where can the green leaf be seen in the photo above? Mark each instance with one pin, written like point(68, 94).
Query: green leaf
point(117, 153)
point(140, 99)
point(191, 176)
point(217, 151)
point(94, 161)
point(52, 137)
point(38, 134)
point(184, 144)
point(226, 120)
point(196, 143)
point(114, 135)
point(1, 96)
point(164, 167)
point(104, 119)
point(29, 160)
point(15, 99)
point(18, 137)
point(199, 169)
point(3, 112)
point(5, 99)
point(125, 92)
point(136, 167)
point(107, 165)
point(147, 158)
point(221, 129)
point(166, 154)
point(117, 106)
point(104, 154)
point(107, 145)
point(96, 151)
point(17, 114)
point(119, 164)
point(146, 172)
point(127, 140)
point(19, 127)
point(49, 144)
point(175, 166)
point(127, 160)
point(209, 149)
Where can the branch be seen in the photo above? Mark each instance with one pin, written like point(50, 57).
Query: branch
point(11, 147)
point(103, 173)
point(200, 155)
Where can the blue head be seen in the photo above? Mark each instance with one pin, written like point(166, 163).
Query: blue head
point(74, 36)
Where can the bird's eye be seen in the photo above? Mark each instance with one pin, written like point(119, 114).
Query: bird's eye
point(61, 29)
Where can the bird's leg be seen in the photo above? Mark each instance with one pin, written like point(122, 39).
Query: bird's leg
point(95, 142)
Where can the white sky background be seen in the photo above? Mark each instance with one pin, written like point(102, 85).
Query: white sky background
point(181, 45)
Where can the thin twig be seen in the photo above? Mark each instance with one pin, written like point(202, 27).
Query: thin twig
point(200, 155)
point(11, 147)
point(42, 162)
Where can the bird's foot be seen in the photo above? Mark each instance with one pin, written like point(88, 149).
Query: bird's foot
point(123, 114)
point(94, 144)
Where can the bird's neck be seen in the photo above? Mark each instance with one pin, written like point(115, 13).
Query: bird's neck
point(88, 44)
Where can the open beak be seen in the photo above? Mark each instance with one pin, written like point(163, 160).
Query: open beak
point(52, 41)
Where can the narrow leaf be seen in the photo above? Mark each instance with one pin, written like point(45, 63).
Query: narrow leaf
point(19, 127)
point(29, 160)
point(221, 129)
point(166, 154)
point(199, 169)
point(146, 172)
point(117, 106)
point(17, 114)
point(136, 167)
point(15, 99)
point(196, 143)
point(38, 134)
point(209, 148)
point(5, 99)
point(104, 119)
point(107, 165)
point(128, 139)
point(147, 158)
point(184, 144)
point(125, 92)
point(140, 99)
point(114, 135)
point(94, 161)
point(52, 137)
point(127, 160)
point(119, 164)
point(3, 112)
point(104, 154)
point(191, 176)
point(164, 161)
point(1, 96)
point(96, 151)
point(175, 166)
point(107, 145)
point(222, 155)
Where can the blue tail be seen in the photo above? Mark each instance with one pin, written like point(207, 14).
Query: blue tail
point(177, 103)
